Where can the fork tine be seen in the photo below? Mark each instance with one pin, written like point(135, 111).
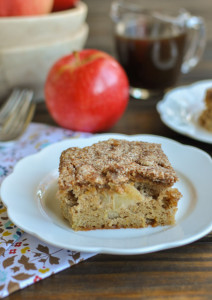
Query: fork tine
point(20, 117)
point(11, 134)
point(29, 115)
point(18, 112)
point(17, 123)
point(8, 105)
point(21, 126)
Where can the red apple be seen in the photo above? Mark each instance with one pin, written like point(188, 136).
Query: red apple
point(10, 8)
point(87, 91)
point(64, 4)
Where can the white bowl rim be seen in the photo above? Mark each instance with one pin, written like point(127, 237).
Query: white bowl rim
point(78, 9)
point(80, 32)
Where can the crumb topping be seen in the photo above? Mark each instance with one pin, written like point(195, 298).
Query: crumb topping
point(115, 162)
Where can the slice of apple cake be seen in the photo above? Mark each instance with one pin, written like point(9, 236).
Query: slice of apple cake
point(117, 184)
point(205, 118)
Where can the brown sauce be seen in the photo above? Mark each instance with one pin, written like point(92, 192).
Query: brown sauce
point(151, 63)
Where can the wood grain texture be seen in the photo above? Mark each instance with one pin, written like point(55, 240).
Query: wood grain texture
point(180, 273)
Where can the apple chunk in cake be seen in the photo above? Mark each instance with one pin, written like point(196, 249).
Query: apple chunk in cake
point(117, 184)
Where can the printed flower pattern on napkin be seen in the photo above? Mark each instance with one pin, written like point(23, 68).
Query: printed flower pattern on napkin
point(30, 260)
point(37, 137)
point(25, 259)
point(8, 231)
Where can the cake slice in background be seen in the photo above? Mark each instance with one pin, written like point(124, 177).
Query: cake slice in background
point(205, 118)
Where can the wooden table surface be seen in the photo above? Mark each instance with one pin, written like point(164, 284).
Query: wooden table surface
point(180, 273)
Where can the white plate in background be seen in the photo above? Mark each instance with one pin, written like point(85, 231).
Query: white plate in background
point(181, 107)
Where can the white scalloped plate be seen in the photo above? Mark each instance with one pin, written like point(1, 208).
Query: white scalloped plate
point(29, 195)
point(181, 107)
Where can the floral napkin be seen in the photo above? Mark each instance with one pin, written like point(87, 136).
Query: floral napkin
point(23, 258)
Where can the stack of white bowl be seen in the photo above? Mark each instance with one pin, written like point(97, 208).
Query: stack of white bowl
point(29, 46)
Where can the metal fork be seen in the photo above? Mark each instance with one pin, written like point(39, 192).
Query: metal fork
point(16, 114)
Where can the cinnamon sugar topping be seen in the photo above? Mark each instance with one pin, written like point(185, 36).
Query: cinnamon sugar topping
point(115, 162)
